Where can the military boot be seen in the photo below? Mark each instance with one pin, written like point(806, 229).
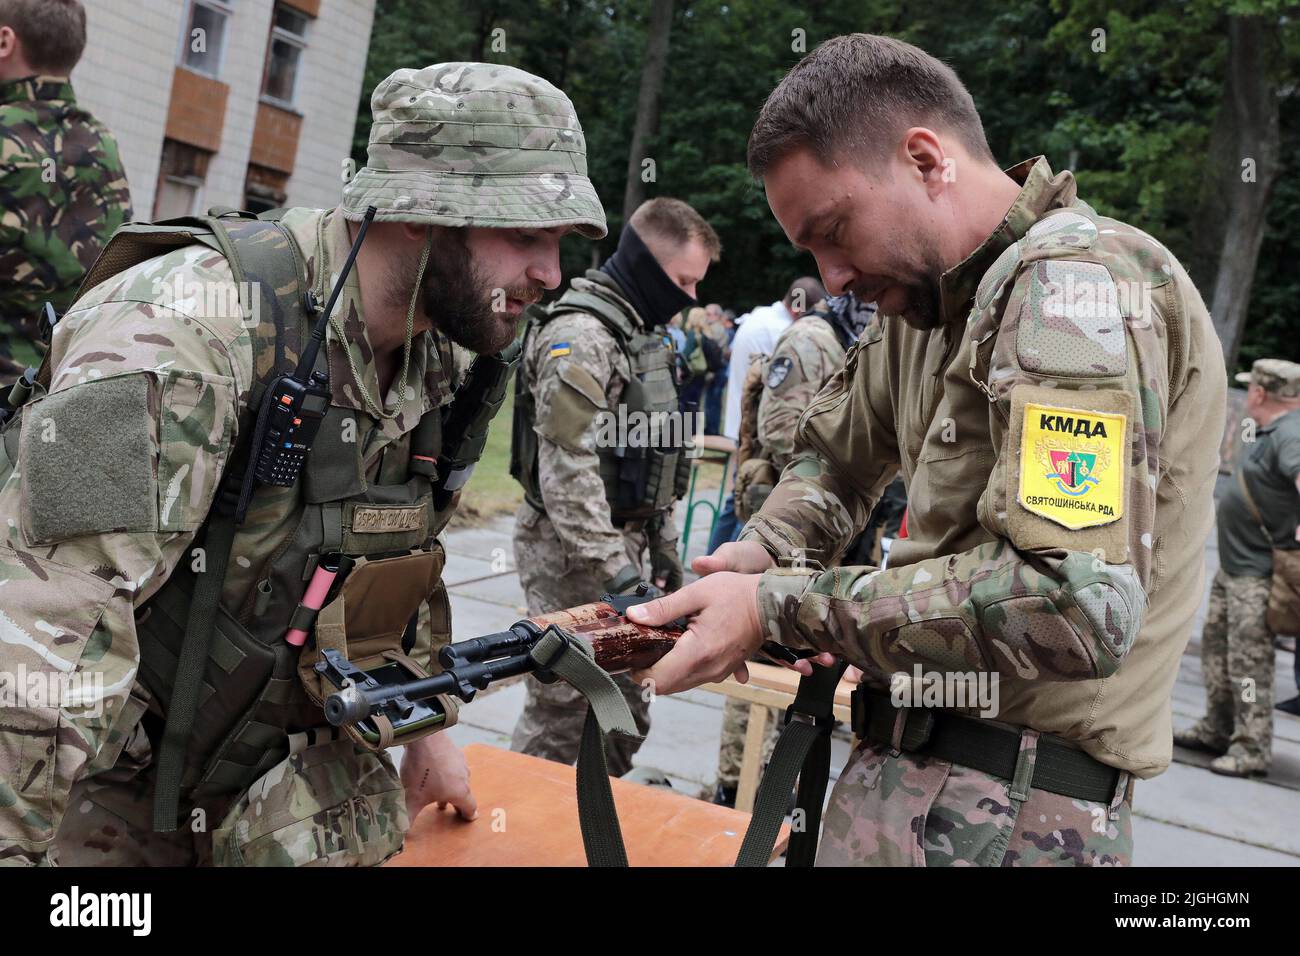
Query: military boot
point(1200, 737)
point(1237, 762)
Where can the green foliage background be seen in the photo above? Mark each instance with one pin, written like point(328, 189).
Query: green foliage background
point(1134, 121)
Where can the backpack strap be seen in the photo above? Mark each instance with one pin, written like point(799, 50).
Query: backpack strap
point(269, 274)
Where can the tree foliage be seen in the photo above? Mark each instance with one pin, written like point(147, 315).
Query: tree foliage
point(1133, 118)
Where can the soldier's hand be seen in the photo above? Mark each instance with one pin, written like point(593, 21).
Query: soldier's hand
point(745, 557)
point(434, 771)
point(722, 633)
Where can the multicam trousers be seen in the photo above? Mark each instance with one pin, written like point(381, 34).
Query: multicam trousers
point(1237, 663)
point(735, 724)
point(551, 723)
point(328, 805)
point(914, 810)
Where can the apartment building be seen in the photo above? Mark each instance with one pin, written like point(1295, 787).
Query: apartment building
point(244, 103)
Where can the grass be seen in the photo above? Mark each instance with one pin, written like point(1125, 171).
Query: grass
point(492, 492)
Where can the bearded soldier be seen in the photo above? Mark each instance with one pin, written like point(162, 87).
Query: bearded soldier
point(599, 483)
point(116, 496)
point(1041, 378)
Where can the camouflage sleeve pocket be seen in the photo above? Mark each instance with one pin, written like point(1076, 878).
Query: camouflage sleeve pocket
point(572, 408)
point(195, 435)
point(56, 708)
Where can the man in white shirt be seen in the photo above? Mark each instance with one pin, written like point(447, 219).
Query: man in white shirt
point(757, 335)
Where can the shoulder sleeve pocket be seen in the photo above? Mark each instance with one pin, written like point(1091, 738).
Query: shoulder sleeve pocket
point(572, 408)
point(195, 436)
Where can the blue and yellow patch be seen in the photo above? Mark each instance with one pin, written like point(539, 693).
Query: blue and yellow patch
point(560, 348)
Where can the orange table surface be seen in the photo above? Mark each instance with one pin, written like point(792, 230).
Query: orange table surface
point(528, 816)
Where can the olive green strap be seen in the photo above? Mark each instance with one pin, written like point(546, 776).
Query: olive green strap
point(607, 712)
point(189, 671)
point(803, 751)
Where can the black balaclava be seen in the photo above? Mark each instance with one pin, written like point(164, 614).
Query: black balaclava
point(643, 281)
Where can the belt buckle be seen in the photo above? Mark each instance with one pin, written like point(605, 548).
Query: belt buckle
point(824, 723)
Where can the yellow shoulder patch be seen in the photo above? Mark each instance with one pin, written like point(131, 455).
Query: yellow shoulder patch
point(1072, 465)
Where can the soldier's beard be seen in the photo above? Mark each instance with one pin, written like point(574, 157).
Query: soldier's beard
point(457, 300)
point(924, 309)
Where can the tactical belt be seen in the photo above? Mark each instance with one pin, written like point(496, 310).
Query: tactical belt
point(980, 745)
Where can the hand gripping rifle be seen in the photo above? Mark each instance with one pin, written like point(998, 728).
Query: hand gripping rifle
point(599, 631)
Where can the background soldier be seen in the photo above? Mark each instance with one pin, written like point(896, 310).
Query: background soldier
point(1050, 447)
point(62, 187)
point(121, 463)
point(1258, 511)
point(593, 507)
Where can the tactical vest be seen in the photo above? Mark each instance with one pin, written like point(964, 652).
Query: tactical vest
point(252, 698)
point(756, 474)
point(640, 482)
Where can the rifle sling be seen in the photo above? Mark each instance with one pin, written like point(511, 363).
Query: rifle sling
point(607, 712)
point(803, 751)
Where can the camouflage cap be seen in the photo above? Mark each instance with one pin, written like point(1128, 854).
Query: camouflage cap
point(1277, 376)
point(475, 144)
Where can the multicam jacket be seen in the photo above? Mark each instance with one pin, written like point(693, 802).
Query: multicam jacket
point(1051, 433)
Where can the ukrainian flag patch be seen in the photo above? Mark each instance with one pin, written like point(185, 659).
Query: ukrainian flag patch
point(560, 348)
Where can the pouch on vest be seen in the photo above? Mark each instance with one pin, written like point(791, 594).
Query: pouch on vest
point(366, 623)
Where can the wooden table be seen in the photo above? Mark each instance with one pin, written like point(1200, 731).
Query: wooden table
point(528, 816)
point(770, 687)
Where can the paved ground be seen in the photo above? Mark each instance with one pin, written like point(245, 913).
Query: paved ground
point(1185, 817)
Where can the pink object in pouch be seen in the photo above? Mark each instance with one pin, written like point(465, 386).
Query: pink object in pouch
point(313, 599)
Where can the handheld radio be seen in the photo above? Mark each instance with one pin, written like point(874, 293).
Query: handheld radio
point(296, 403)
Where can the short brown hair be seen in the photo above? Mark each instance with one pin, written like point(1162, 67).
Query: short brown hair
point(53, 32)
point(859, 92)
point(671, 220)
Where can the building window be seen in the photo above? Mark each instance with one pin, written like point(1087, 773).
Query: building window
point(284, 55)
point(265, 189)
point(204, 41)
point(181, 177)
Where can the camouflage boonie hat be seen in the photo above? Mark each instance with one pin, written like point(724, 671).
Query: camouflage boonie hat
point(1276, 376)
point(475, 144)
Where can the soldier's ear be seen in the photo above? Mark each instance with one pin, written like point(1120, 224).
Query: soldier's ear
point(8, 42)
point(413, 231)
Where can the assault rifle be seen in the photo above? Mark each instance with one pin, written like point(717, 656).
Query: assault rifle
point(614, 642)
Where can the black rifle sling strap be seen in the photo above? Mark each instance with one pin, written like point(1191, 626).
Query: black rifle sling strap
point(260, 272)
point(804, 752)
point(561, 656)
point(190, 665)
